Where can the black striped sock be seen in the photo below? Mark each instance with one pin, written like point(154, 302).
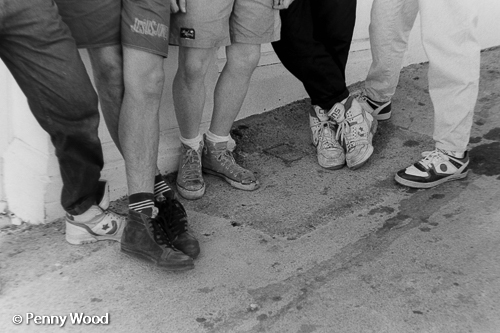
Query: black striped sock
point(142, 202)
point(162, 189)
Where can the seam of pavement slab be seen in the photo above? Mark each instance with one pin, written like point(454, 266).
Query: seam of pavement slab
point(311, 251)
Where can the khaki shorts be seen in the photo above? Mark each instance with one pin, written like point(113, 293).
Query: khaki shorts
point(145, 25)
point(214, 23)
point(93, 23)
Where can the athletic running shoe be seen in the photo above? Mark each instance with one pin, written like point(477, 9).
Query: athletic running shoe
point(379, 110)
point(219, 161)
point(175, 225)
point(145, 238)
point(96, 224)
point(190, 183)
point(435, 168)
point(355, 132)
point(329, 151)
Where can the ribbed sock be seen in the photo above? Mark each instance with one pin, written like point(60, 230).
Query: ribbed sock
point(162, 189)
point(142, 202)
point(193, 143)
point(216, 138)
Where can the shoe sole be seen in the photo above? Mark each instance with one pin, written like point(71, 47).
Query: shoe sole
point(144, 257)
point(413, 184)
point(191, 195)
point(383, 117)
point(363, 162)
point(331, 167)
point(235, 184)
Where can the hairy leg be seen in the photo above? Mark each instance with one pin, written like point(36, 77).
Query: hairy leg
point(107, 67)
point(139, 119)
point(232, 86)
point(189, 91)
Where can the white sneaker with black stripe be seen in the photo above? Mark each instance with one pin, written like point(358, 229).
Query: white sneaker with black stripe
point(329, 152)
point(435, 168)
point(379, 110)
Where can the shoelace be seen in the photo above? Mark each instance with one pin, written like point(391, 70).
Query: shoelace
point(190, 165)
point(346, 134)
point(433, 157)
point(173, 218)
point(227, 161)
point(162, 235)
point(329, 141)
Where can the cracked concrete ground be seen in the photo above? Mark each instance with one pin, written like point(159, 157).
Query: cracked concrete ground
point(311, 251)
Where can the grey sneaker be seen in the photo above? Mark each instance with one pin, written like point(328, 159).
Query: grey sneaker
point(190, 183)
point(96, 224)
point(356, 130)
point(329, 151)
point(379, 110)
point(219, 161)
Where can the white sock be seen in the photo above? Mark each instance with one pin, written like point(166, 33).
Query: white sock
point(216, 138)
point(193, 143)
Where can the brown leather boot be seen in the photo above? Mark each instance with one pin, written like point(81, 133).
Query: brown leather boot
point(144, 238)
point(173, 220)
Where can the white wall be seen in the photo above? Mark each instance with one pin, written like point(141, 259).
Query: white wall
point(29, 175)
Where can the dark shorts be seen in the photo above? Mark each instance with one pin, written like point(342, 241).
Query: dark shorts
point(140, 24)
point(93, 23)
point(146, 25)
point(215, 23)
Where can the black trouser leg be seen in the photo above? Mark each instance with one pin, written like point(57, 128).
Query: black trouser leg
point(314, 46)
point(41, 55)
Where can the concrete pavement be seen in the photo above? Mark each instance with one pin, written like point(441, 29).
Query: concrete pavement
point(311, 251)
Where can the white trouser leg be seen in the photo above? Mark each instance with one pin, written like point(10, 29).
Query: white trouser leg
point(390, 26)
point(449, 37)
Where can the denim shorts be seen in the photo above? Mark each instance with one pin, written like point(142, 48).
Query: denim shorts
point(146, 25)
point(93, 23)
point(141, 24)
point(214, 23)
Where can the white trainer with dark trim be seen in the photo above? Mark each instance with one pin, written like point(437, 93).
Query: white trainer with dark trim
point(96, 224)
point(379, 110)
point(330, 153)
point(356, 130)
point(435, 168)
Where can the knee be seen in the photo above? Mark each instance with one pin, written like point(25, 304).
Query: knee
point(244, 57)
point(193, 67)
point(110, 72)
point(148, 83)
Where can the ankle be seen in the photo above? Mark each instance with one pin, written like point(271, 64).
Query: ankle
point(141, 202)
point(193, 143)
point(216, 138)
point(162, 189)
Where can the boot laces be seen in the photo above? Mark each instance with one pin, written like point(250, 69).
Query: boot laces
point(173, 218)
point(433, 157)
point(161, 235)
point(348, 133)
point(326, 134)
point(190, 165)
point(227, 160)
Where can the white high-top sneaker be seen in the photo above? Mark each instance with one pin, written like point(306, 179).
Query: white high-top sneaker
point(356, 130)
point(330, 153)
point(97, 223)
